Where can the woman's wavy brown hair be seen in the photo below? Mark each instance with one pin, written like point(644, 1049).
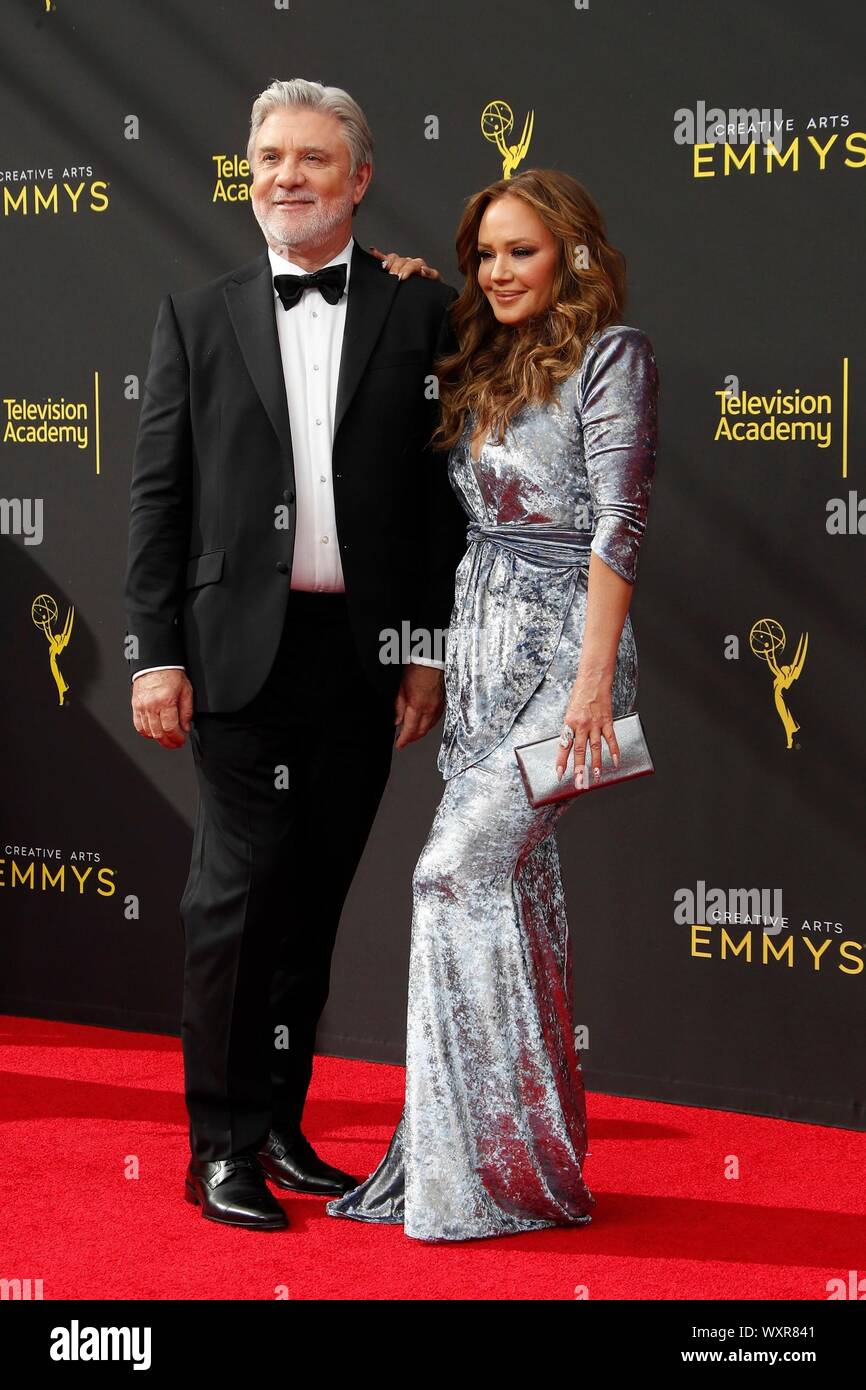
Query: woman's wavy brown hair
point(497, 368)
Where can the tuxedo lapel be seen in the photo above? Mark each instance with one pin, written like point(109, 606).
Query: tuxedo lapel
point(249, 296)
point(371, 291)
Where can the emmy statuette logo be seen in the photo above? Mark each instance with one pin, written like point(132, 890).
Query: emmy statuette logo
point(497, 122)
point(766, 640)
point(44, 613)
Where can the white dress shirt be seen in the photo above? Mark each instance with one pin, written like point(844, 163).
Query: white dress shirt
point(311, 345)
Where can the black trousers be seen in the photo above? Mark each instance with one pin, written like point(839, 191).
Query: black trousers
point(289, 787)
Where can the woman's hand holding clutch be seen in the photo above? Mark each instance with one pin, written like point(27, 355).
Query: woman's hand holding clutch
point(588, 719)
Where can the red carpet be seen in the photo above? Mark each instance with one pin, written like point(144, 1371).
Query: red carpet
point(81, 1105)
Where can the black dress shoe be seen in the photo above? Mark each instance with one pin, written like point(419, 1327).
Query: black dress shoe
point(290, 1161)
point(233, 1192)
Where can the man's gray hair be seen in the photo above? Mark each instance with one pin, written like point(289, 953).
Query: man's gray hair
point(331, 101)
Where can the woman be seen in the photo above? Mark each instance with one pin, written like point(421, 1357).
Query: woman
point(549, 412)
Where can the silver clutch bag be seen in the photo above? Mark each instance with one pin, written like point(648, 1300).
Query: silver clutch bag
point(537, 763)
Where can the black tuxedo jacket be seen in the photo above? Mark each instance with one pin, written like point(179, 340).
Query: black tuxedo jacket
point(209, 566)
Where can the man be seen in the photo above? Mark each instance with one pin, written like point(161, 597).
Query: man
point(286, 511)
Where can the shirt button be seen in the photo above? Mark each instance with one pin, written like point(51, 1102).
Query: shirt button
point(315, 315)
point(315, 366)
point(318, 422)
point(324, 540)
point(282, 567)
point(322, 478)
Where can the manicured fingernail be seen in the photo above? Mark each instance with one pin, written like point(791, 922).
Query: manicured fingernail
point(616, 759)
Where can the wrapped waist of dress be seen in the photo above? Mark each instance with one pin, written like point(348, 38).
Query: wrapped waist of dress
point(557, 547)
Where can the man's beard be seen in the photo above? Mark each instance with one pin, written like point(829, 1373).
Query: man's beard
point(319, 220)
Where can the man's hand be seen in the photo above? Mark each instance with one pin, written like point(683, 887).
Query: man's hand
point(420, 701)
point(162, 707)
point(404, 266)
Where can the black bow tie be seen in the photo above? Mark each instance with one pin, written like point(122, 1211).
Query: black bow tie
point(331, 280)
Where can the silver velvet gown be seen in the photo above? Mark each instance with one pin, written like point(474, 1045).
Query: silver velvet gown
point(492, 1138)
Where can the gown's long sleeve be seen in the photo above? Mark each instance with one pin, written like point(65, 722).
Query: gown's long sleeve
point(617, 408)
